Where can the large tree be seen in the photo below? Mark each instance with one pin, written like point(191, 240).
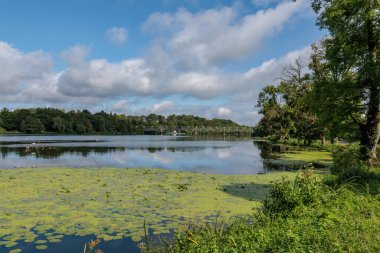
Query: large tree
point(352, 49)
point(286, 115)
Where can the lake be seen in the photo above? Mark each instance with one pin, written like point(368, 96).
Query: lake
point(66, 197)
point(183, 153)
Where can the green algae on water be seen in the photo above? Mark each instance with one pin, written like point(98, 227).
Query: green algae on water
point(114, 203)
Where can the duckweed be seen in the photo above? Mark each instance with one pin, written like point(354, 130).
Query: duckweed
point(51, 203)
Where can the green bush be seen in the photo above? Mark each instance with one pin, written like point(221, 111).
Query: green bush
point(286, 196)
point(347, 163)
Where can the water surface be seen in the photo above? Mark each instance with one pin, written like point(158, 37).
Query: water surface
point(170, 152)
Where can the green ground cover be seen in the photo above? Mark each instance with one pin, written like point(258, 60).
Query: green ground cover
point(296, 159)
point(301, 215)
point(320, 156)
point(113, 203)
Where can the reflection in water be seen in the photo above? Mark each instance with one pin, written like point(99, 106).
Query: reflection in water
point(177, 153)
point(44, 152)
point(56, 152)
point(223, 153)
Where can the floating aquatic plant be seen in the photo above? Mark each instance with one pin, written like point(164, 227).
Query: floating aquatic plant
point(50, 203)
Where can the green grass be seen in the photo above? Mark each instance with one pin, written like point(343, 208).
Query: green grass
point(304, 215)
point(295, 159)
point(307, 156)
point(113, 203)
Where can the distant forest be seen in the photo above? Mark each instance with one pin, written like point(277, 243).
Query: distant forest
point(58, 121)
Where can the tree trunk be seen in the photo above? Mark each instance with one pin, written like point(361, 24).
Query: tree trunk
point(370, 132)
point(332, 136)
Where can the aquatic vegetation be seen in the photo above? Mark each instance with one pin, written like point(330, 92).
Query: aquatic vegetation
point(42, 205)
point(91, 246)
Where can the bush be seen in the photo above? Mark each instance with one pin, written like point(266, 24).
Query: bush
point(286, 196)
point(347, 163)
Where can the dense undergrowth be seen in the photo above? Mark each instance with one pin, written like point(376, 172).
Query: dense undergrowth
point(339, 212)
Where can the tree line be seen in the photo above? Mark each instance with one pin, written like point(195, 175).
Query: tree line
point(339, 93)
point(52, 120)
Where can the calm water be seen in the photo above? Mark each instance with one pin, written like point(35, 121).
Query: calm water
point(170, 152)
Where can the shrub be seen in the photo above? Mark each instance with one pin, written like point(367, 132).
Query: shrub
point(286, 196)
point(347, 163)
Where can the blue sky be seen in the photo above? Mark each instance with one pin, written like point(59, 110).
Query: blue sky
point(208, 58)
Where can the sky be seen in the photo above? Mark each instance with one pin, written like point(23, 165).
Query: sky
point(136, 57)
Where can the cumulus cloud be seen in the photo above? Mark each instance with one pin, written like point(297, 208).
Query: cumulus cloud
point(269, 72)
point(211, 37)
point(163, 108)
point(117, 35)
point(223, 112)
point(101, 78)
point(197, 84)
point(18, 68)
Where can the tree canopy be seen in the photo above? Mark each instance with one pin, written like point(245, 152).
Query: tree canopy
point(51, 120)
point(341, 96)
point(349, 65)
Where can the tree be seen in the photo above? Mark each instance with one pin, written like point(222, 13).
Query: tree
point(333, 98)
point(351, 50)
point(58, 124)
point(285, 111)
point(31, 125)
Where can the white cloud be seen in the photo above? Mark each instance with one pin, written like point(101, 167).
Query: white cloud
point(223, 112)
point(197, 84)
point(18, 68)
point(76, 55)
point(101, 78)
point(269, 72)
point(163, 108)
point(211, 37)
point(117, 35)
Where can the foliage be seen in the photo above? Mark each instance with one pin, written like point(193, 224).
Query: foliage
point(346, 69)
point(40, 120)
point(286, 196)
point(341, 96)
point(347, 163)
point(318, 219)
point(286, 114)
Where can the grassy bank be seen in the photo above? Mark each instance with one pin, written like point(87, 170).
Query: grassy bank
point(302, 215)
point(296, 158)
point(50, 203)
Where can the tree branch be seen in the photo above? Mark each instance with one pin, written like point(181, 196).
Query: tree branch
point(355, 119)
